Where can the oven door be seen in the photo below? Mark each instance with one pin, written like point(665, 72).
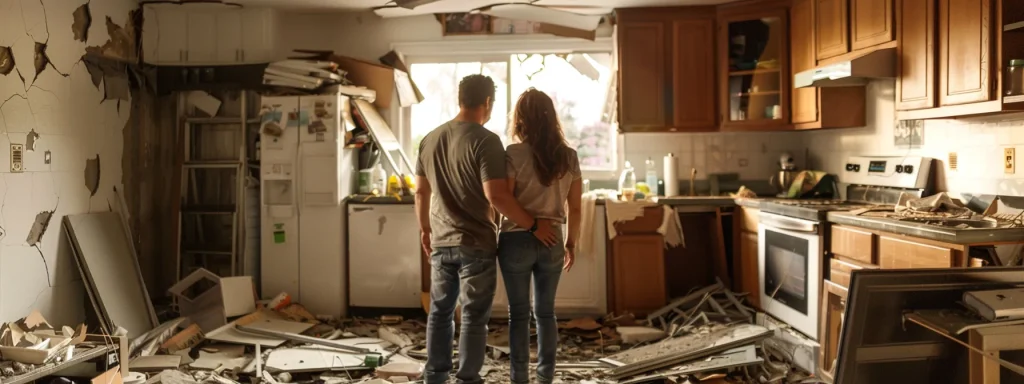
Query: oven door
point(789, 270)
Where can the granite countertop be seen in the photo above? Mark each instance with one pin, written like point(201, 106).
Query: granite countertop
point(931, 232)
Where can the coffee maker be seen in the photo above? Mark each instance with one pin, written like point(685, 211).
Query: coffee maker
point(782, 180)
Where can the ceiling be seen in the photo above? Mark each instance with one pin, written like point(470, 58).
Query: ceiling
point(456, 5)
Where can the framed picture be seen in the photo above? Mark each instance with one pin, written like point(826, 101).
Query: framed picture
point(465, 24)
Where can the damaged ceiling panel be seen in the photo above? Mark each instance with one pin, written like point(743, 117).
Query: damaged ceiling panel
point(6, 61)
point(83, 20)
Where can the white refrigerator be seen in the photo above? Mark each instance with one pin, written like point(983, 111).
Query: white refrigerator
point(305, 173)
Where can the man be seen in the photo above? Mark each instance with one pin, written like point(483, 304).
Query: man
point(460, 175)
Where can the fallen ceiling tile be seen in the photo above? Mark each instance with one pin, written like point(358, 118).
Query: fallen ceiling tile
point(39, 227)
point(83, 20)
point(6, 61)
point(92, 175)
point(41, 61)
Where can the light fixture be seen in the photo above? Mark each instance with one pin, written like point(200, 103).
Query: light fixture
point(410, 4)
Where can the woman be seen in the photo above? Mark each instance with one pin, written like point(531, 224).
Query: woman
point(544, 175)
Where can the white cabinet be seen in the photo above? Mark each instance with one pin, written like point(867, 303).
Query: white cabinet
point(205, 35)
point(259, 28)
point(229, 37)
point(583, 290)
point(384, 256)
point(171, 35)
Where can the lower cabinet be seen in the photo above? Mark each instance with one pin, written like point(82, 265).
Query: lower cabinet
point(745, 276)
point(384, 266)
point(833, 309)
point(638, 278)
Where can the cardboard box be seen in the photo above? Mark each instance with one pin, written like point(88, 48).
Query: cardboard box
point(208, 300)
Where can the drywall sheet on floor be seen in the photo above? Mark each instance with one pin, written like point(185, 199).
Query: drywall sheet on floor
point(107, 262)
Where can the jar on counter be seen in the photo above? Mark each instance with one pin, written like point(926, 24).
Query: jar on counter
point(1015, 78)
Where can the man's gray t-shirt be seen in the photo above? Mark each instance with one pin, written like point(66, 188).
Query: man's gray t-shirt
point(457, 158)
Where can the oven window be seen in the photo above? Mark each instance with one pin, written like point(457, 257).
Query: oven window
point(785, 269)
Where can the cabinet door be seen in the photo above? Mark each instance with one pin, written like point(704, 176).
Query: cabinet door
point(150, 35)
point(871, 23)
point(642, 75)
point(755, 88)
point(229, 37)
point(693, 73)
point(257, 35)
point(202, 45)
point(965, 51)
point(833, 310)
point(802, 56)
point(638, 265)
point(748, 282)
point(172, 35)
point(384, 256)
point(915, 51)
point(853, 244)
point(901, 254)
point(830, 23)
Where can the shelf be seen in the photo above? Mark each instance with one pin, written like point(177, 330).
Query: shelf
point(1013, 99)
point(753, 72)
point(207, 164)
point(763, 93)
point(1014, 27)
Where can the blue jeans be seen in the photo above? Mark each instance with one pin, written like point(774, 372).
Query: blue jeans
point(521, 256)
point(459, 275)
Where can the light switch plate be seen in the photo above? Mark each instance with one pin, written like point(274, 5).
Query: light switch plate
point(17, 158)
point(1009, 160)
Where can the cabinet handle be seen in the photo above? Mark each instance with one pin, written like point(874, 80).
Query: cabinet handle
point(243, 54)
point(186, 55)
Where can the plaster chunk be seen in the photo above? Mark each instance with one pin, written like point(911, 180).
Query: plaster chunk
point(35, 235)
point(83, 20)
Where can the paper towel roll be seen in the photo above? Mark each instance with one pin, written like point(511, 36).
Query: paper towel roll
point(671, 172)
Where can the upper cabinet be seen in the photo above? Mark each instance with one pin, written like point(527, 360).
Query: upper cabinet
point(954, 64)
point(666, 69)
point(843, 26)
point(832, 31)
point(754, 70)
point(871, 23)
point(206, 35)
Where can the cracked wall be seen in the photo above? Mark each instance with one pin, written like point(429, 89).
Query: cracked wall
point(50, 98)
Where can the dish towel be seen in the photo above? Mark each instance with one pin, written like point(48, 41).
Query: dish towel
point(588, 207)
point(619, 211)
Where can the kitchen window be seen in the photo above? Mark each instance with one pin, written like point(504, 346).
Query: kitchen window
point(579, 83)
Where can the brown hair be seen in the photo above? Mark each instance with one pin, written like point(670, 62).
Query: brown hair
point(535, 123)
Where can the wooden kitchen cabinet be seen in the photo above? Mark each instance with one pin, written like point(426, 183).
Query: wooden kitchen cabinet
point(830, 326)
point(828, 107)
point(896, 253)
point(754, 65)
point(966, 52)
point(854, 244)
point(176, 34)
point(745, 276)
point(915, 55)
point(830, 25)
point(637, 274)
point(871, 23)
point(229, 37)
point(666, 69)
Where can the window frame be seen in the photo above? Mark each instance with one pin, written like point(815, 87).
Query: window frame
point(500, 48)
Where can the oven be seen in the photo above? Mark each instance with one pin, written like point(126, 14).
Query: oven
point(789, 260)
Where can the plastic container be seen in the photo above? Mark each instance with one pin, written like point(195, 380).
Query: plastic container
point(378, 179)
point(627, 182)
point(651, 176)
point(1015, 78)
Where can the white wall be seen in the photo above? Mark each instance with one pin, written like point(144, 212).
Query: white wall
point(74, 123)
point(978, 142)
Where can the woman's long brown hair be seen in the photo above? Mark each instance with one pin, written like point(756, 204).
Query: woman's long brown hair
point(535, 123)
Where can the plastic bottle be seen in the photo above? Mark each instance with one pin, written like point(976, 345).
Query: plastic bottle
point(651, 173)
point(627, 182)
point(379, 179)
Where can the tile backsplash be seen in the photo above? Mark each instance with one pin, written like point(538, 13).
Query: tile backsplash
point(977, 142)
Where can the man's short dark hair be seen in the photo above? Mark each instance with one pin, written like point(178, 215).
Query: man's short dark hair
point(474, 91)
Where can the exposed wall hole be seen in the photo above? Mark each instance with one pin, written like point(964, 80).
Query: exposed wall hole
point(83, 20)
point(41, 60)
point(30, 140)
point(92, 175)
point(35, 235)
point(6, 61)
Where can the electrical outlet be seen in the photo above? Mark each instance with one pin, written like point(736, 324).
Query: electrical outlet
point(1009, 160)
point(17, 158)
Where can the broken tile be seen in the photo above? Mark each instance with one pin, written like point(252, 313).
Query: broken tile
point(83, 20)
point(409, 370)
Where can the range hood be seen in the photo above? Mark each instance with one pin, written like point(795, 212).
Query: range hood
point(877, 64)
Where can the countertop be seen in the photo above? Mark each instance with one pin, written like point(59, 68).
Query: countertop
point(370, 199)
point(924, 231)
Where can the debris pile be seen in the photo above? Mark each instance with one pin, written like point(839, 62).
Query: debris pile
point(304, 74)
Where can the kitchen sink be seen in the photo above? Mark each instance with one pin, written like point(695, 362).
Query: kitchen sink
point(952, 223)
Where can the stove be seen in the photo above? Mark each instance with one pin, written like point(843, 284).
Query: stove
point(793, 234)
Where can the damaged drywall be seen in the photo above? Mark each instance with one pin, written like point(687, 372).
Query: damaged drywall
point(39, 227)
point(123, 41)
point(6, 61)
point(30, 140)
point(83, 20)
point(92, 175)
